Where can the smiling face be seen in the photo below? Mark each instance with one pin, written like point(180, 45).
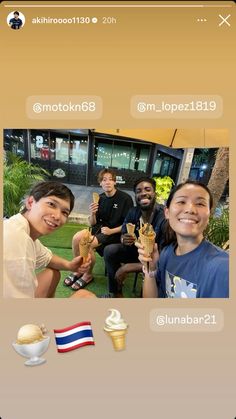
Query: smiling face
point(46, 215)
point(189, 211)
point(145, 195)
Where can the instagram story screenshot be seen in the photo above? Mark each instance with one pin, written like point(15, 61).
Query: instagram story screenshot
point(118, 199)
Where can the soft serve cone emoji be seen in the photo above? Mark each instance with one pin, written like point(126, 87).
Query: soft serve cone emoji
point(116, 328)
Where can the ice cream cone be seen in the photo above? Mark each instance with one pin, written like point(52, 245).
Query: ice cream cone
point(148, 244)
point(147, 239)
point(130, 228)
point(95, 197)
point(84, 251)
point(84, 245)
point(118, 339)
point(116, 328)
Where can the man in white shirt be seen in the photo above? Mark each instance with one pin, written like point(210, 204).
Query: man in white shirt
point(46, 209)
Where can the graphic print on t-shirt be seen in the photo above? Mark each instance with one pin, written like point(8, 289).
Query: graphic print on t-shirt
point(177, 287)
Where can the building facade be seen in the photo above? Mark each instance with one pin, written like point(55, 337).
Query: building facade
point(76, 156)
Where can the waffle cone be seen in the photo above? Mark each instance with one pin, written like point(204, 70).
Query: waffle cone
point(84, 250)
point(95, 197)
point(118, 339)
point(147, 240)
point(130, 228)
point(84, 245)
point(148, 244)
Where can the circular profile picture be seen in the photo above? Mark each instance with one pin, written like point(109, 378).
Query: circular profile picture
point(16, 20)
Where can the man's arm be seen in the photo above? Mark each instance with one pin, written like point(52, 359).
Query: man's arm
point(75, 265)
point(108, 231)
point(92, 217)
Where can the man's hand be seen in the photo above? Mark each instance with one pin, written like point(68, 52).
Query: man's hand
point(128, 239)
point(77, 265)
point(106, 230)
point(93, 208)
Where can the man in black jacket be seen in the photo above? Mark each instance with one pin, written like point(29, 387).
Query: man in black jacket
point(146, 211)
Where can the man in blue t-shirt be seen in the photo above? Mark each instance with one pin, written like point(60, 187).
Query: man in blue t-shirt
point(16, 22)
point(122, 258)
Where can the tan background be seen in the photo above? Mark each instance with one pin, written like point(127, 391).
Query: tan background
point(164, 375)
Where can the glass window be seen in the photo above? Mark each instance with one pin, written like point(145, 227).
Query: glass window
point(165, 165)
point(14, 141)
point(121, 155)
point(59, 147)
point(39, 145)
point(102, 153)
point(157, 165)
point(78, 152)
point(140, 155)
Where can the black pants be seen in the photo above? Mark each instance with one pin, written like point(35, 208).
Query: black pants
point(114, 256)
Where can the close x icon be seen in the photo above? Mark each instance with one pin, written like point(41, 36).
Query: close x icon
point(224, 20)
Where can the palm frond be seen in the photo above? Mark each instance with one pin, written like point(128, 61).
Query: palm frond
point(218, 228)
point(19, 176)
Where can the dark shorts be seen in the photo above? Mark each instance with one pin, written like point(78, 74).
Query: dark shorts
point(104, 240)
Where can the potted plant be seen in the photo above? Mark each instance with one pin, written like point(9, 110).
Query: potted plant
point(163, 188)
point(18, 177)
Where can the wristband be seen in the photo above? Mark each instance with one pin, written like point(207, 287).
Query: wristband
point(152, 274)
